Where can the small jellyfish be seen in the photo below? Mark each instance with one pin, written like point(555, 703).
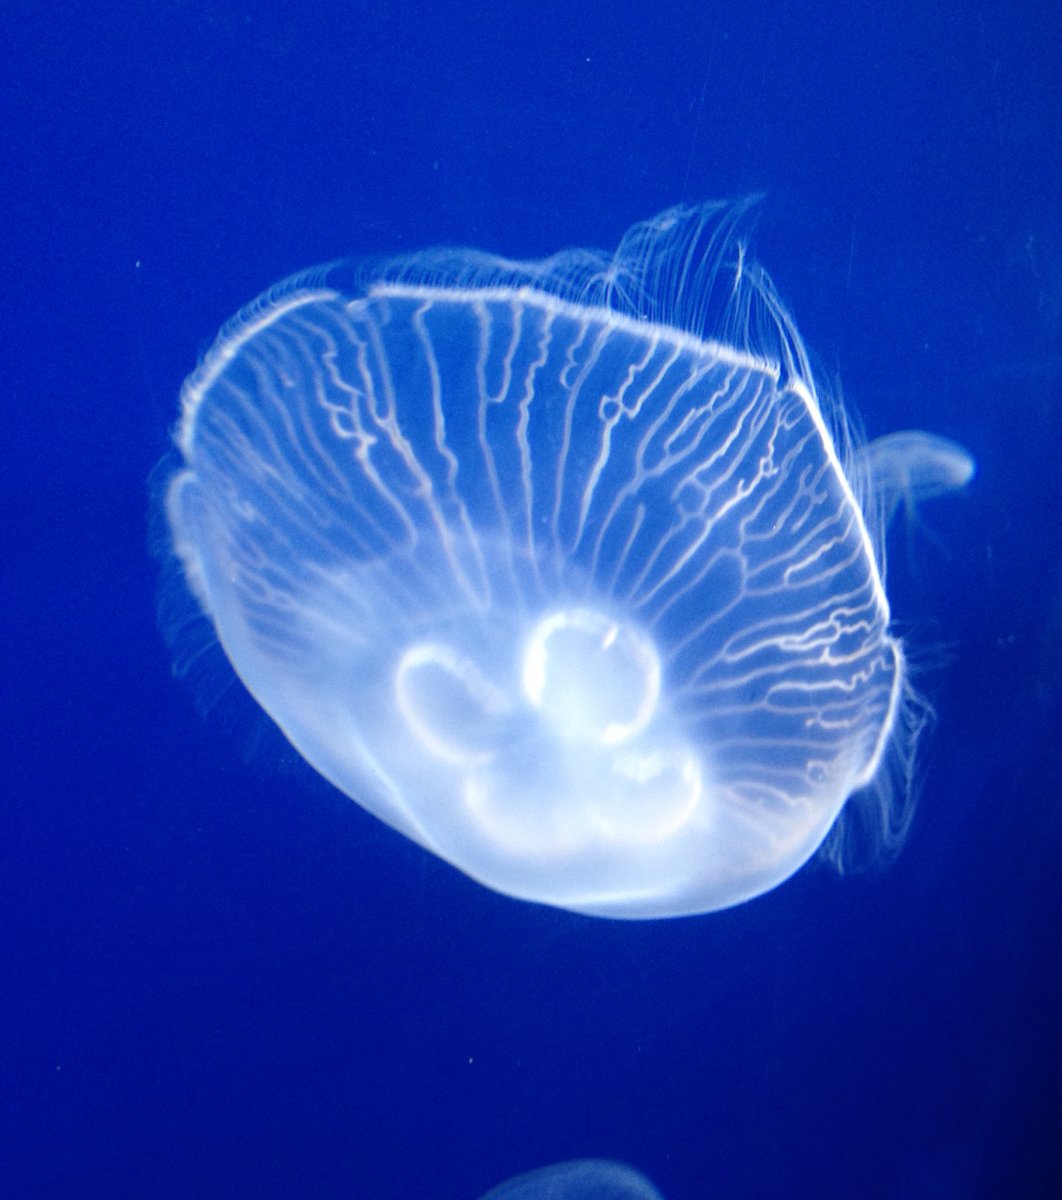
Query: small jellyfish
point(584, 1179)
point(911, 466)
point(555, 567)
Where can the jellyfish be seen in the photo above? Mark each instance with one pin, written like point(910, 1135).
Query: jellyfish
point(911, 466)
point(583, 1179)
point(555, 567)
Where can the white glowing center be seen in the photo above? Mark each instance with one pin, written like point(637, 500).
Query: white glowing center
point(592, 678)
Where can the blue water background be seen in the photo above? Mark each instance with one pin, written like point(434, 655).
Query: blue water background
point(219, 978)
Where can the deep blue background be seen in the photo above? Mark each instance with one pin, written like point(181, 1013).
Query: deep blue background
point(217, 977)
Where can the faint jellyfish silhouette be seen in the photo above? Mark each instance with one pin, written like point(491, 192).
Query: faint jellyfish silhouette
point(905, 469)
point(584, 1179)
point(554, 567)
point(911, 466)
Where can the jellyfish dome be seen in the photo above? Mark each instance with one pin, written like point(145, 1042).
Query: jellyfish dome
point(911, 465)
point(554, 567)
point(583, 1179)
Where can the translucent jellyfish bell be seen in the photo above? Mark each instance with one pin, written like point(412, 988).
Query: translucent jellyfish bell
point(584, 1179)
point(911, 466)
point(554, 566)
